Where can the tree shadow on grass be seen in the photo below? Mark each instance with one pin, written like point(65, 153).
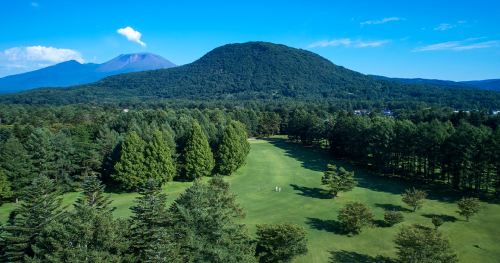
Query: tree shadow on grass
point(312, 192)
point(324, 225)
point(446, 218)
point(391, 207)
point(354, 257)
point(380, 223)
point(308, 158)
point(317, 160)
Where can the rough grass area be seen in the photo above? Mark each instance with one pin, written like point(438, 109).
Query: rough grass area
point(302, 200)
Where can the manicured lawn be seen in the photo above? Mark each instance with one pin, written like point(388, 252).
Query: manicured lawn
point(297, 170)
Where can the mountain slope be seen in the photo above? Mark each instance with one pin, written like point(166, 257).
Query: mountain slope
point(257, 70)
point(490, 84)
point(72, 73)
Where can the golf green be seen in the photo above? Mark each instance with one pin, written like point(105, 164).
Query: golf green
point(297, 171)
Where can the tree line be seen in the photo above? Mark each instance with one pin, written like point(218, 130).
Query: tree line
point(125, 149)
point(459, 150)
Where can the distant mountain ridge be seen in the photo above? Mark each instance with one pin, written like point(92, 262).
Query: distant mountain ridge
point(259, 71)
point(489, 84)
point(70, 73)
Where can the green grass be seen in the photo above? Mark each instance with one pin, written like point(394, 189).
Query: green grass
point(297, 170)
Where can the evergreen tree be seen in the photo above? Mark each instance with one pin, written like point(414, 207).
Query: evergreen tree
point(39, 147)
point(418, 244)
point(152, 237)
point(130, 169)
point(204, 214)
point(280, 242)
point(414, 198)
point(468, 207)
point(92, 195)
point(198, 158)
point(159, 164)
point(244, 145)
point(41, 205)
point(5, 190)
point(229, 153)
point(338, 182)
point(16, 163)
point(88, 233)
point(354, 216)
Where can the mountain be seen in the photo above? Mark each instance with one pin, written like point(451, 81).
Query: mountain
point(72, 73)
point(258, 71)
point(490, 84)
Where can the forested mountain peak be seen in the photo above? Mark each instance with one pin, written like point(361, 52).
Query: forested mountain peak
point(257, 71)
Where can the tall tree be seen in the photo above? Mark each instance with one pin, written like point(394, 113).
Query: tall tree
point(41, 205)
point(198, 158)
point(39, 147)
point(5, 190)
point(230, 152)
point(280, 242)
point(130, 169)
point(239, 128)
point(17, 165)
point(204, 213)
point(152, 235)
point(159, 164)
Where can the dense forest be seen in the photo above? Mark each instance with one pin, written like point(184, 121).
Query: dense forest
point(69, 143)
point(258, 71)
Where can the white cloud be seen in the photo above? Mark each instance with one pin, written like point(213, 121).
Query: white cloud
point(131, 35)
point(460, 45)
point(34, 4)
point(381, 21)
point(22, 59)
point(347, 42)
point(444, 27)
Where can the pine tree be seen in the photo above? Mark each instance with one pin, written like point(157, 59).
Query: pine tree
point(151, 234)
point(17, 165)
point(338, 182)
point(130, 170)
point(93, 195)
point(230, 152)
point(39, 147)
point(204, 214)
point(198, 158)
point(88, 233)
point(5, 190)
point(159, 164)
point(41, 205)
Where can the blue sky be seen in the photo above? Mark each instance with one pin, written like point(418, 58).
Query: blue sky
point(452, 40)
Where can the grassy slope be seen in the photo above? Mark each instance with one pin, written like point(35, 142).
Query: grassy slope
point(297, 170)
